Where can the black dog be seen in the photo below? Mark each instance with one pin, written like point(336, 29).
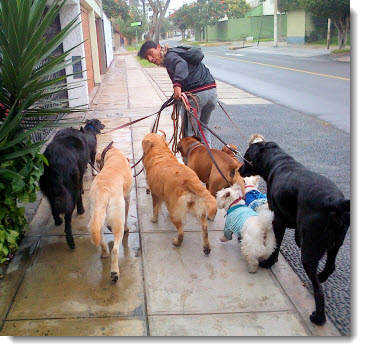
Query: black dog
point(91, 129)
point(62, 181)
point(308, 202)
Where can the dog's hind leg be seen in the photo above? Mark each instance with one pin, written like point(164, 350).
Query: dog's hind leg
point(68, 230)
point(330, 265)
point(127, 201)
point(156, 202)
point(279, 231)
point(56, 216)
point(116, 216)
point(206, 246)
point(310, 265)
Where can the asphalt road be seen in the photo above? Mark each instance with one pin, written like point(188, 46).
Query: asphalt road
point(307, 87)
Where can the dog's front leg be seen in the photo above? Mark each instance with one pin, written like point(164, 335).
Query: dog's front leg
point(279, 231)
point(156, 202)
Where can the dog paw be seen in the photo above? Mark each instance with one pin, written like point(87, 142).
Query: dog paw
point(317, 319)
point(114, 276)
point(71, 243)
point(104, 254)
point(322, 277)
point(58, 221)
point(268, 263)
point(176, 242)
point(80, 210)
point(206, 250)
point(154, 220)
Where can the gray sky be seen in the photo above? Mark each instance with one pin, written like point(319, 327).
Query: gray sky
point(175, 4)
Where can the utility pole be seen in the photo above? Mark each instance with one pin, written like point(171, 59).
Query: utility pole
point(275, 23)
point(329, 33)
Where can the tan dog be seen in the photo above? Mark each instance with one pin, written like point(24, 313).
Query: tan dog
point(109, 203)
point(178, 186)
point(231, 153)
point(200, 162)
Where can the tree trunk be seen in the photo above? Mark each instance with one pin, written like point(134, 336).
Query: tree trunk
point(206, 33)
point(162, 12)
point(342, 25)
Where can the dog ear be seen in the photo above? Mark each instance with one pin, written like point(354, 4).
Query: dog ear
point(162, 133)
point(146, 146)
point(227, 194)
point(180, 148)
point(81, 129)
point(87, 121)
point(196, 137)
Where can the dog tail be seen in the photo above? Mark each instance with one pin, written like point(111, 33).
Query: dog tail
point(269, 242)
point(97, 222)
point(209, 200)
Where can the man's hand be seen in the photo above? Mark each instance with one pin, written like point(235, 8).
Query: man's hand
point(177, 92)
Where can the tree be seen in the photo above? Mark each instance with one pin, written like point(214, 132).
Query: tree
point(236, 8)
point(159, 8)
point(125, 28)
point(337, 10)
point(116, 9)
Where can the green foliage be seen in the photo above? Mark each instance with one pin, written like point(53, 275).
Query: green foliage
point(236, 8)
point(27, 64)
point(116, 9)
point(125, 28)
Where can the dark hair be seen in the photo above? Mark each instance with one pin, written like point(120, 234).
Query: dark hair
point(145, 47)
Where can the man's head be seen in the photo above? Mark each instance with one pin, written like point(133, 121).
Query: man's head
point(151, 52)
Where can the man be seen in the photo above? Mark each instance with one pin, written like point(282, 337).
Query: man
point(186, 77)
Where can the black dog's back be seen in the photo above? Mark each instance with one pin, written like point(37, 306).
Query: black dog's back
point(61, 182)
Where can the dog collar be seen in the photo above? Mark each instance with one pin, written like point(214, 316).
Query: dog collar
point(104, 153)
point(90, 126)
point(192, 147)
point(249, 186)
point(235, 201)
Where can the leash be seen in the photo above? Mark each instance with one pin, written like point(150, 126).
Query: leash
point(193, 112)
point(239, 132)
point(236, 152)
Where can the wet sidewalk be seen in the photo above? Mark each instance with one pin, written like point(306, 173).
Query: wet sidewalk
point(163, 290)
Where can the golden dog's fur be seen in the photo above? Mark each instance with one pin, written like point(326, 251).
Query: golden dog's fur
point(178, 186)
point(200, 162)
point(231, 153)
point(109, 203)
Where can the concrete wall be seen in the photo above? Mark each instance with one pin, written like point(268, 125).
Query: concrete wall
point(77, 96)
point(296, 27)
point(234, 29)
point(108, 40)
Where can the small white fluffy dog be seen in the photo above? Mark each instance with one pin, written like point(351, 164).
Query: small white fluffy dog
point(255, 229)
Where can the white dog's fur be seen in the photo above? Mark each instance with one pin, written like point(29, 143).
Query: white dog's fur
point(258, 240)
point(252, 183)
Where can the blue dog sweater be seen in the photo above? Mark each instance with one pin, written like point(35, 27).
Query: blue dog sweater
point(255, 199)
point(236, 218)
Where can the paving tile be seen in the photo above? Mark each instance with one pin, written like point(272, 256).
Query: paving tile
point(242, 324)
point(245, 101)
point(183, 280)
point(14, 274)
point(65, 283)
point(76, 327)
point(43, 223)
point(164, 222)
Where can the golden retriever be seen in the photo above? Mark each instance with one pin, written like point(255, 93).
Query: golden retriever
point(178, 186)
point(109, 203)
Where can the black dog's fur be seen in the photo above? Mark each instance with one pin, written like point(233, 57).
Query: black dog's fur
point(306, 201)
point(62, 181)
point(92, 128)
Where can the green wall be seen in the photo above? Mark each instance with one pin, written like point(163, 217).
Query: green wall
point(235, 29)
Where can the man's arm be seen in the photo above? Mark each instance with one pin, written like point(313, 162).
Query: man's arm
point(178, 70)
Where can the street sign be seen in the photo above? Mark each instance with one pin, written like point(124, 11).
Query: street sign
point(136, 24)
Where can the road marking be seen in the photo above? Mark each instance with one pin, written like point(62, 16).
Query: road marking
point(228, 54)
point(287, 68)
